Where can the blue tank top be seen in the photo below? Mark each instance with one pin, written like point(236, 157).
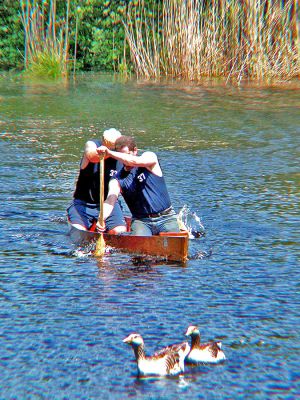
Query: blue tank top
point(144, 192)
point(88, 182)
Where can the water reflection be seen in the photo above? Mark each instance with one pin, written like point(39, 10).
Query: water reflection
point(121, 267)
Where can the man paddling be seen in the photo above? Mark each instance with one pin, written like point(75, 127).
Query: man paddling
point(143, 188)
point(84, 210)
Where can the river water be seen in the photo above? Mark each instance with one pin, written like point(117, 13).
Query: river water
point(231, 161)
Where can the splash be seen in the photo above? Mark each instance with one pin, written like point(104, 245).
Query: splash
point(88, 249)
point(81, 253)
point(189, 220)
point(201, 255)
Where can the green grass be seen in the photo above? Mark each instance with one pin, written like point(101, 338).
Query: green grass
point(45, 65)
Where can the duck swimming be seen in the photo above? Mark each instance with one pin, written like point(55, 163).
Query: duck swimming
point(182, 349)
point(167, 361)
point(209, 352)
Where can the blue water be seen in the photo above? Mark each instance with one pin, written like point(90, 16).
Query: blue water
point(231, 156)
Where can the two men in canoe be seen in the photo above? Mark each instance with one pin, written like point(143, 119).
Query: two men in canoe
point(140, 181)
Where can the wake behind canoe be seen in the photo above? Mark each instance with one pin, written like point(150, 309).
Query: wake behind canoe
point(171, 246)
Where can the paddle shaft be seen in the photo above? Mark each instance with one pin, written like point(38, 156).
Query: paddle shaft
point(101, 192)
point(100, 243)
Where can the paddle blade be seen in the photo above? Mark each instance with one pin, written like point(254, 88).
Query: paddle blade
point(100, 246)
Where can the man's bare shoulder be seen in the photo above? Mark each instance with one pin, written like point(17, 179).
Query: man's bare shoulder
point(90, 152)
point(149, 155)
point(90, 143)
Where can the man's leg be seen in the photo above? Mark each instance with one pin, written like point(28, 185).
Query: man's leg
point(115, 223)
point(168, 224)
point(140, 228)
point(76, 215)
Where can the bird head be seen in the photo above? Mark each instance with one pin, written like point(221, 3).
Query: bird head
point(192, 330)
point(134, 339)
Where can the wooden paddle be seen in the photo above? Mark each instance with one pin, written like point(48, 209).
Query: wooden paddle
point(100, 244)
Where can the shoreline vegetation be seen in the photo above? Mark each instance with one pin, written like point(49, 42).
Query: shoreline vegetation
point(46, 49)
point(219, 38)
point(189, 40)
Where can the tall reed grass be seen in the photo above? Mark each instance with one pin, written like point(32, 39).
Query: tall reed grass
point(46, 38)
point(192, 39)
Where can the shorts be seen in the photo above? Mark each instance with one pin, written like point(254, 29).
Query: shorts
point(86, 214)
point(153, 226)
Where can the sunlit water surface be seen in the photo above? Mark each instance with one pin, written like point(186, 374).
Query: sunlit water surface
point(231, 157)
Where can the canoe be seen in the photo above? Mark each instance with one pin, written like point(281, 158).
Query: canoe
point(171, 246)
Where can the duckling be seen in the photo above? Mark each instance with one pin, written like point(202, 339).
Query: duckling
point(162, 363)
point(203, 352)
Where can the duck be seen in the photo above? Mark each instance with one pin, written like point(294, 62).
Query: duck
point(167, 361)
point(209, 352)
point(182, 349)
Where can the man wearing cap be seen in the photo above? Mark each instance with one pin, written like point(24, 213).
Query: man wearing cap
point(84, 210)
point(143, 188)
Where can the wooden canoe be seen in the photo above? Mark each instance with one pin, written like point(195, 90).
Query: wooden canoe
point(171, 246)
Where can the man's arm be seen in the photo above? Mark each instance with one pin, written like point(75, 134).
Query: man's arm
point(148, 159)
point(90, 154)
point(112, 197)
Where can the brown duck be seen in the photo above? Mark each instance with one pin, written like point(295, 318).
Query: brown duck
point(203, 352)
point(167, 361)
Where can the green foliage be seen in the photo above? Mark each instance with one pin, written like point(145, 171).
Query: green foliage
point(11, 35)
point(100, 34)
point(95, 25)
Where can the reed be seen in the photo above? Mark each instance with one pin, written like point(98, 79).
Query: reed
point(46, 38)
point(192, 39)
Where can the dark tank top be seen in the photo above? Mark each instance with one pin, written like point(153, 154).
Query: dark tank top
point(144, 192)
point(88, 182)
